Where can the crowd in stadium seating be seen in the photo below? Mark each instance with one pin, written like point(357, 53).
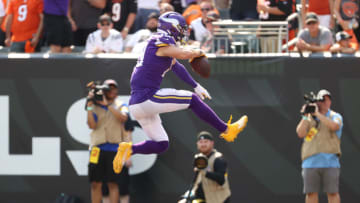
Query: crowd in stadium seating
point(56, 25)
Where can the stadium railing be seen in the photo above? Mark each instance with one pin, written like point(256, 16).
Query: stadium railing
point(246, 36)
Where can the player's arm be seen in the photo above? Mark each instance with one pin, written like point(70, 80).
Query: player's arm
point(183, 74)
point(178, 53)
point(218, 175)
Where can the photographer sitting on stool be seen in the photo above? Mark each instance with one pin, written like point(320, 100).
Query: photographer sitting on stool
point(107, 117)
point(211, 183)
point(321, 128)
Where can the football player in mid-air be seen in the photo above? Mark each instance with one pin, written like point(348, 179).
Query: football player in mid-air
point(147, 100)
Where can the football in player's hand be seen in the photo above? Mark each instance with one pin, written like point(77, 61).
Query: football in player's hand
point(201, 66)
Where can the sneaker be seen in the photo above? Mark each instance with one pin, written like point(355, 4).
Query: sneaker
point(123, 154)
point(234, 128)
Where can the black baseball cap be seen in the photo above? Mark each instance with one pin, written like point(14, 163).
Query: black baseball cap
point(342, 36)
point(105, 18)
point(205, 135)
point(111, 82)
point(212, 16)
point(153, 15)
point(311, 17)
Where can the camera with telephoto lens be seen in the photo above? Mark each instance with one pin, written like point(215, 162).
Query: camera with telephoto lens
point(200, 161)
point(98, 90)
point(310, 100)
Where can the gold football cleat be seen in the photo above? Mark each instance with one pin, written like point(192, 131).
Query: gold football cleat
point(234, 128)
point(123, 154)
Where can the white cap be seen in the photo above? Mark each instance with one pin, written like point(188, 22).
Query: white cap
point(322, 93)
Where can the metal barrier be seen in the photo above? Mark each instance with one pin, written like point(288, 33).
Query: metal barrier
point(254, 36)
point(250, 36)
point(292, 17)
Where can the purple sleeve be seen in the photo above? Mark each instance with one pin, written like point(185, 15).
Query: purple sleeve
point(183, 74)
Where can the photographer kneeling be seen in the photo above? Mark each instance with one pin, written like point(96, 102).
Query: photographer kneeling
point(321, 128)
point(211, 179)
point(106, 116)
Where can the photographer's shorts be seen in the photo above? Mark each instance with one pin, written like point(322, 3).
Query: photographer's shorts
point(321, 180)
point(103, 170)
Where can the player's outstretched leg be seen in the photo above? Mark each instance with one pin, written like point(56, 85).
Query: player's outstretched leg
point(158, 144)
point(126, 149)
point(229, 131)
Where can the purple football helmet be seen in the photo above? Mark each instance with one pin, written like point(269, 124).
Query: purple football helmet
point(174, 24)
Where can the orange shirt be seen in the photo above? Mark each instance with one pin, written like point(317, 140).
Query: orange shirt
point(192, 17)
point(320, 7)
point(26, 18)
point(3, 23)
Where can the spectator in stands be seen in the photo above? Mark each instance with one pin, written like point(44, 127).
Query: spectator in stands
point(165, 7)
point(57, 26)
point(123, 14)
point(84, 15)
point(178, 5)
point(199, 26)
point(343, 44)
point(314, 38)
point(273, 10)
point(192, 11)
point(324, 10)
point(24, 25)
point(243, 10)
point(145, 8)
point(224, 8)
point(4, 3)
point(207, 45)
point(138, 40)
point(105, 39)
point(347, 15)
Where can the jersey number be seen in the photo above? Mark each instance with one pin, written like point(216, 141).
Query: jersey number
point(22, 13)
point(116, 10)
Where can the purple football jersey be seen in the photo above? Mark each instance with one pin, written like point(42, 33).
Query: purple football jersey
point(150, 69)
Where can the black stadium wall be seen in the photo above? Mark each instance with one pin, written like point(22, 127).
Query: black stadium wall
point(42, 127)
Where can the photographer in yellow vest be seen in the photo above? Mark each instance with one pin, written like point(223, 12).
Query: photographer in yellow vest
point(106, 116)
point(320, 130)
point(211, 179)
